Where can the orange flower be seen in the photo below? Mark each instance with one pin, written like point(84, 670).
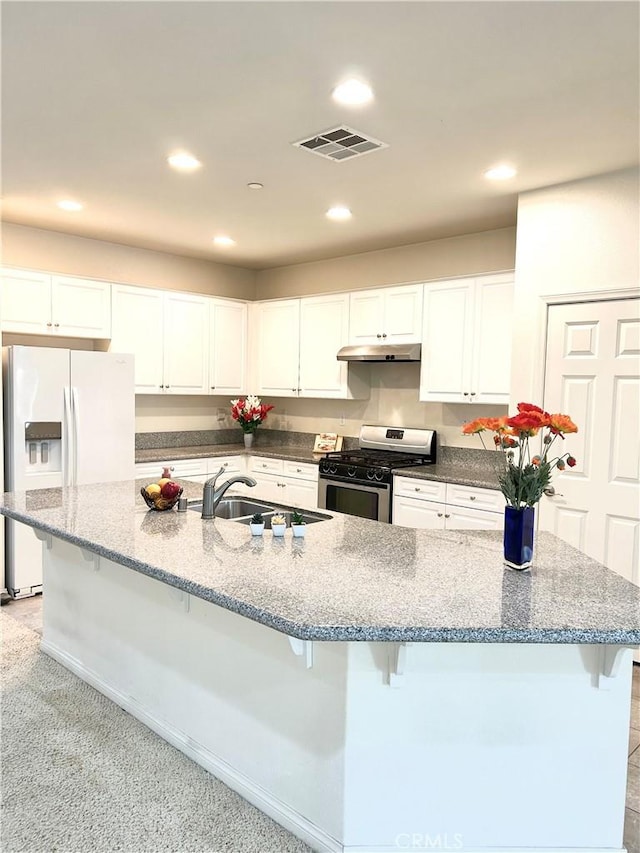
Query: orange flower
point(559, 424)
point(473, 427)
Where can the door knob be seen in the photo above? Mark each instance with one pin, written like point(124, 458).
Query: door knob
point(550, 492)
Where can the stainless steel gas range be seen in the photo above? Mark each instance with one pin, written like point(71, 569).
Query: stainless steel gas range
point(360, 482)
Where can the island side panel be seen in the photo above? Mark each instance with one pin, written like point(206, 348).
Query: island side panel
point(486, 747)
point(227, 691)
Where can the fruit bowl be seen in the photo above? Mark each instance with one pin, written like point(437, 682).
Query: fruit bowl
point(159, 503)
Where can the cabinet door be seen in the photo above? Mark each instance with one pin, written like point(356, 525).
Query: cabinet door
point(137, 327)
point(267, 488)
point(491, 360)
point(324, 328)
point(402, 322)
point(227, 347)
point(186, 343)
point(278, 348)
point(460, 518)
point(80, 308)
point(366, 317)
point(446, 342)
point(26, 302)
point(413, 512)
point(299, 493)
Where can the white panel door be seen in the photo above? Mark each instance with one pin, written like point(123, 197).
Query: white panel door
point(137, 327)
point(402, 322)
point(80, 308)
point(593, 375)
point(446, 342)
point(366, 317)
point(186, 343)
point(278, 348)
point(227, 348)
point(324, 328)
point(491, 360)
point(103, 414)
point(26, 302)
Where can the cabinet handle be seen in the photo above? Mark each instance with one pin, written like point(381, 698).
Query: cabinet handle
point(447, 515)
point(49, 324)
point(299, 390)
point(378, 336)
point(57, 325)
point(417, 488)
point(466, 393)
point(166, 386)
point(384, 334)
point(299, 470)
point(213, 387)
point(162, 386)
point(294, 390)
point(439, 515)
point(473, 394)
point(472, 497)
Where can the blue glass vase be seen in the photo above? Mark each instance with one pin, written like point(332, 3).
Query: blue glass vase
point(518, 537)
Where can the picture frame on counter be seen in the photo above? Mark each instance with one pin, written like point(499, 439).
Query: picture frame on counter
point(327, 442)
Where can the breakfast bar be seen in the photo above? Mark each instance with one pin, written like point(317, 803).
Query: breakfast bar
point(372, 688)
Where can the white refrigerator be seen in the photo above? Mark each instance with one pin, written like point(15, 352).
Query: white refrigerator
point(69, 419)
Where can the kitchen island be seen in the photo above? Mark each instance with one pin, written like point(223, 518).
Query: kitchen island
point(371, 688)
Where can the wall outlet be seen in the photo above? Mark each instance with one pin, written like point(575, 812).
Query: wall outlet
point(343, 420)
point(221, 416)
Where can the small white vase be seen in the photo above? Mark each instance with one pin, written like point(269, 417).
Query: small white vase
point(278, 529)
point(256, 529)
point(298, 530)
point(248, 439)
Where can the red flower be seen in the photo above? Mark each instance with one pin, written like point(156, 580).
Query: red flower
point(528, 422)
point(529, 407)
point(571, 461)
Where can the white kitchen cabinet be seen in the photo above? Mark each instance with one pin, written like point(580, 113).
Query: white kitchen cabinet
point(466, 340)
point(44, 304)
point(227, 347)
point(286, 482)
point(390, 315)
point(168, 333)
point(299, 340)
point(179, 469)
point(278, 329)
point(435, 505)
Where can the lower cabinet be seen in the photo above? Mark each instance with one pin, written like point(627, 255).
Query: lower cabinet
point(446, 506)
point(196, 470)
point(286, 482)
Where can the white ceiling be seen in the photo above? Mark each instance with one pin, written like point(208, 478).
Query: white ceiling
point(96, 95)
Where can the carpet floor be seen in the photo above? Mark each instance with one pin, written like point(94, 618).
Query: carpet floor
point(80, 775)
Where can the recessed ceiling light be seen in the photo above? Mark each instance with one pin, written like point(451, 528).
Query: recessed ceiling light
point(500, 173)
point(70, 205)
point(255, 185)
point(183, 161)
point(352, 93)
point(224, 241)
point(338, 213)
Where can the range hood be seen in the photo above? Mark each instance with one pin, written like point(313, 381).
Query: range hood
point(380, 352)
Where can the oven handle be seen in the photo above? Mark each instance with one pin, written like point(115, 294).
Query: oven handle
point(369, 485)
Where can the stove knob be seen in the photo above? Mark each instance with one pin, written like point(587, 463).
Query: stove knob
point(379, 474)
point(371, 473)
point(351, 470)
point(333, 469)
point(324, 466)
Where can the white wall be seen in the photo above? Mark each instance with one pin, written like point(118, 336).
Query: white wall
point(579, 237)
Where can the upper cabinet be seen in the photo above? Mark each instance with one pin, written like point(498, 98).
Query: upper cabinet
point(466, 343)
point(43, 304)
point(227, 347)
point(168, 333)
point(390, 315)
point(298, 341)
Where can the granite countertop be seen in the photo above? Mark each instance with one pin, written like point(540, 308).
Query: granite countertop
point(448, 473)
point(349, 578)
point(276, 451)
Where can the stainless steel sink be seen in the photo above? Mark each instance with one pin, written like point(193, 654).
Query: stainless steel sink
point(240, 509)
point(234, 508)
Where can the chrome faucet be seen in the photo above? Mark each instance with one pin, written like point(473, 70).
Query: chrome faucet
point(211, 496)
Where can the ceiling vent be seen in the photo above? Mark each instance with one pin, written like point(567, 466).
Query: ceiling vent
point(340, 143)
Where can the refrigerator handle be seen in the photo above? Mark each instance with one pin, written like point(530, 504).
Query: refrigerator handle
point(67, 442)
point(75, 411)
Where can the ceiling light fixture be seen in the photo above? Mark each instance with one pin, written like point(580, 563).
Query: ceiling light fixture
point(338, 213)
point(500, 173)
point(255, 185)
point(70, 206)
point(352, 93)
point(183, 161)
point(223, 241)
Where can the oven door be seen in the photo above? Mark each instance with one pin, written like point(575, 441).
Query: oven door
point(355, 498)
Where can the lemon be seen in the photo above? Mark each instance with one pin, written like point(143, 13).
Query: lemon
point(153, 489)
